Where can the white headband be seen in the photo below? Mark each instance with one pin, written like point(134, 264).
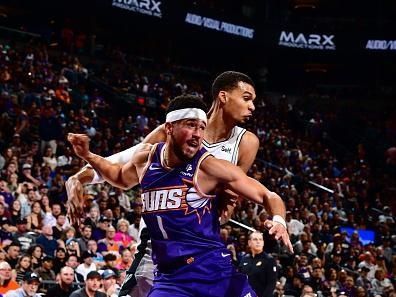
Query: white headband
point(186, 113)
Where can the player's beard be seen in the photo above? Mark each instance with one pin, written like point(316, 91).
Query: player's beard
point(177, 149)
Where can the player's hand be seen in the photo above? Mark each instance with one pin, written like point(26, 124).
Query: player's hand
point(75, 200)
point(80, 143)
point(279, 232)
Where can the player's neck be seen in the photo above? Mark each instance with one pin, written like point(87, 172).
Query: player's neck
point(219, 128)
point(170, 160)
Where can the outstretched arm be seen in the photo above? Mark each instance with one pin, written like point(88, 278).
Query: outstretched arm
point(119, 175)
point(222, 172)
point(87, 175)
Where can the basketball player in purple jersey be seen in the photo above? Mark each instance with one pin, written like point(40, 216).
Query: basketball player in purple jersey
point(178, 180)
point(233, 96)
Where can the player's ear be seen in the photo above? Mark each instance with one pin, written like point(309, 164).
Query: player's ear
point(222, 96)
point(168, 128)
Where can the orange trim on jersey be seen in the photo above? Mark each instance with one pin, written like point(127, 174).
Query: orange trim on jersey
point(167, 188)
point(195, 177)
point(162, 159)
point(149, 160)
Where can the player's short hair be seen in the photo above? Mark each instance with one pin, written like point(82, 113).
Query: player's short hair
point(186, 101)
point(228, 81)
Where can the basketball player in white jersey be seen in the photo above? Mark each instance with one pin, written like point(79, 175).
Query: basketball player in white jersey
point(233, 95)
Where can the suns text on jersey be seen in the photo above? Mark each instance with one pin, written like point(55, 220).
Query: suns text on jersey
point(164, 199)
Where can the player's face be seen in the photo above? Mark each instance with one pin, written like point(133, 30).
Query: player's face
point(187, 137)
point(239, 102)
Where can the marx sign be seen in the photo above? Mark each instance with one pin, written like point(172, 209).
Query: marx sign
point(307, 41)
point(149, 7)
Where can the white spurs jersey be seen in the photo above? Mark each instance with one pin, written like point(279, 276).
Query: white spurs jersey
point(227, 149)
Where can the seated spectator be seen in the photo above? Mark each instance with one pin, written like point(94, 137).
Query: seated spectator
point(60, 259)
point(35, 218)
point(110, 286)
point(47, 241)
point(25, 239)
point(93, 248)
point(30, 285)
point(72, 262)
point(126, 260)
point(87, 265)
point(72, 247)
point(108, 244)
point(23, 266)
point(381, 284)
point(122, 235)
point(65, 286)
point(92, 286)
point(15, 212)
point(86, 235)
point(13, 252)
point(36, 252)
point(6, 282)
point(99, 232)
point(45, 272)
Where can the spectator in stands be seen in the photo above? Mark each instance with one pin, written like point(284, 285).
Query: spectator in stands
point(307, 291)
point(13, 252)
point(6, 282)
point(110, 286)
point(100, 231)
point(35, 219)
point(86, 235)
point(72, 262)
point(87, 265)
point(15, 212)
point(47, 240)
point(92, 286)
point(59, 260)
point(381, 285)
point(97, 256)
point(45, 272)
point(36, 252)
point(108, 244)
point(30, 285)
point(24, 265)
point(110, 261)
point(126, 260)
point(24, 238)
point(122, 236)
point(65, 286)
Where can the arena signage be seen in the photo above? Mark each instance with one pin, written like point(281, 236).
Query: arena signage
point(307, 41)
point(383, 45)
point(217, 25)
point(149, 7)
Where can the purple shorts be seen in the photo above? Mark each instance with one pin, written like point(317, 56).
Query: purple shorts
point(211, 275)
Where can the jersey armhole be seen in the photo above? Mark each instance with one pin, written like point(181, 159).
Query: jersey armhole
point(149, 160)
point(195, 177)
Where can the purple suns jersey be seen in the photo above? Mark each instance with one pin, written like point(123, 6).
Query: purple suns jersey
point(182, 221)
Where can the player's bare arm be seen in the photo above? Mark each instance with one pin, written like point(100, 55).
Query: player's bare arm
point(119, 175)
point(74, 185)
point(214, 171)
point(248, 148)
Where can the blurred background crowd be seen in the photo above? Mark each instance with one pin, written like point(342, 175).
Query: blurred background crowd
point(338, 192)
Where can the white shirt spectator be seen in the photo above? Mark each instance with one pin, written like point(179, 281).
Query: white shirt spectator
point(84, 270)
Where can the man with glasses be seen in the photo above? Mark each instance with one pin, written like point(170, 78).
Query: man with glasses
point(6, 283)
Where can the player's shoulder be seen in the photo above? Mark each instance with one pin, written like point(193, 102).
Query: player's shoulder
point(143, 151)
point(249, 139)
